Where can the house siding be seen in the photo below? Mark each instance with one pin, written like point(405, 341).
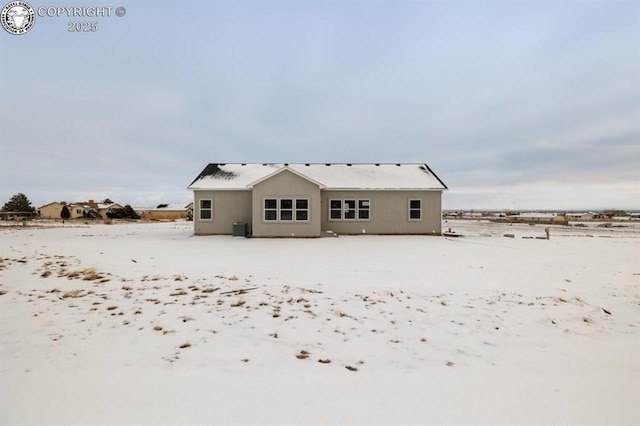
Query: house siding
point(389, 212)
point(286, 184)
point(51, 211)
point(228, 207)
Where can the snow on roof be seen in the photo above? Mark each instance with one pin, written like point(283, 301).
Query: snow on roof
point(106, 206)
point(172, 207)
point(537, 215)
point(330, 175)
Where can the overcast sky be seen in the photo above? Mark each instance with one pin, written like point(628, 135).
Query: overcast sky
point(514, 104)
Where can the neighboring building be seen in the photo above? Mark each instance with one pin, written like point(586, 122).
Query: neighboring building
point(579, 216)
point(78, 210)
point(167, 211)
point(51, 210)
point(544, 218)
point(103, 208)
point(310, 200)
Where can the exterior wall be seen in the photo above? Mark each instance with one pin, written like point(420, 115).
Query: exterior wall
point(286, 184)
point(76, 210)
point(389, 213)
point(228, 207)
point(51, 211)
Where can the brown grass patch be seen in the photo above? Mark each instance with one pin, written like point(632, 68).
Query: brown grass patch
point(178, 292)
point(238, 303)
point(45, 274)
point(111, 308)
point(303, 355)
point(185, 345)
point(73, 294)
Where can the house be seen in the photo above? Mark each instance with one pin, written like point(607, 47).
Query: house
point(51, 210)
point(310, 200)
point(78, 210)
point(103, 208)
point(579, 216)
point(543, 218)
point(167, 211)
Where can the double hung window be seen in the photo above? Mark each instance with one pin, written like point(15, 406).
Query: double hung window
point(286, 209)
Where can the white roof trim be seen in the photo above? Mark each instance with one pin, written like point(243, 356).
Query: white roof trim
point(277, 172)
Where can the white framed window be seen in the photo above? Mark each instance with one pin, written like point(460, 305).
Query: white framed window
point(335, 209)
point(205, 209)
point(302, 209)
point(415, 209)
point(270, 209)
point(349, 209)
point(363, 209)
point(286, 210)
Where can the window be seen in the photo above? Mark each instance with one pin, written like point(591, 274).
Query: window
point(335, 207)
point(206, 211)
point(286, 209)
point(415, 209)
point(270, 209)
point(302, 210)
point(349, 209)
point(363, 209)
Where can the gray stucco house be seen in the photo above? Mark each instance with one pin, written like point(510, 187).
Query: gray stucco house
point(311, 200)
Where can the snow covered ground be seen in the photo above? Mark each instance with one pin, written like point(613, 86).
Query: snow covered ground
point(144, 323)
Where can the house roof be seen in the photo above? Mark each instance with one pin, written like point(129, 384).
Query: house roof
point(181, 206)
point(327, 175)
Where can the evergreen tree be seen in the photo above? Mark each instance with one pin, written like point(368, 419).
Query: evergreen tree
point(65, 213)
point(130, 212)
point(18, 203)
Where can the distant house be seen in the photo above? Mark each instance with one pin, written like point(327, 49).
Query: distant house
point(51, 210)
point(310, 200)
point(103, 208)
point(543, 218)
point(77, 210)
point(167, 211)
point(579, 216)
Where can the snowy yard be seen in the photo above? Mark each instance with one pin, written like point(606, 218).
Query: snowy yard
point(144, 323)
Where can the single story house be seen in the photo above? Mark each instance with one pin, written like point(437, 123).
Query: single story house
point(51, 210)
point(103, 208)
point(311, 200)
point(534, 217)
point(77, 210)
point(167, 211)
point(579, 216)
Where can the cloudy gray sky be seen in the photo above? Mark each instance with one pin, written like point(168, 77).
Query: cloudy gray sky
point(514, 104)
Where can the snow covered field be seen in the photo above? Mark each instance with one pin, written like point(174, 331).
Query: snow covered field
point(143, 323)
